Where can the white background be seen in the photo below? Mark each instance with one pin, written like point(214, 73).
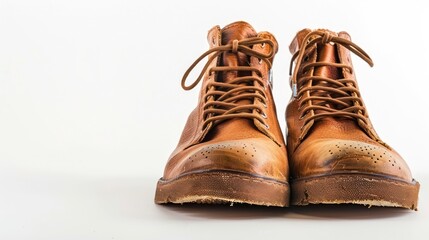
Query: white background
point(91, 107)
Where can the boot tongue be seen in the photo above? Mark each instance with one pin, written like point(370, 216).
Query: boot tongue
point(235, 31)
point(326, 53)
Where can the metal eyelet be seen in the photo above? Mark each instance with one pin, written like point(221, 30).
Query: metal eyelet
point(349, 70)
point(267, 126)
point(270, 78)
point(260, 61)
point(262, 45)
point(263, 115)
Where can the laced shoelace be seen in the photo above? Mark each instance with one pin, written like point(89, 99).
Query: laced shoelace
point(340, 97)
point(222, 99)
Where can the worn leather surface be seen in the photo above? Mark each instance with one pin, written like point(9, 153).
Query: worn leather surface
point(237, 144)
point(336, 145)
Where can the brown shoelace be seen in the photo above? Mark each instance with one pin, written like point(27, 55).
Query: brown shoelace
point(326, 96)
point(222, 100)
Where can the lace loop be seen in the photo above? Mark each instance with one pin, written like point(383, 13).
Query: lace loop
point(322, 37)
point(326, 38)
point(244, 46)
point(235, 46)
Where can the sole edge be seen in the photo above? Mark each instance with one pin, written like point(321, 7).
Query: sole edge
point(355, 189)
point(222, 187)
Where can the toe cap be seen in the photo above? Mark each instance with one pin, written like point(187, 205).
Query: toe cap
point(331, 156)
point(252, 156)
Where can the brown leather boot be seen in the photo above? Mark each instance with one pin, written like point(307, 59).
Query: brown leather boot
point(232, 149)
point(335, 155)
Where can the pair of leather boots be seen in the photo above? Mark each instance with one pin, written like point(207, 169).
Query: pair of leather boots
point(232, 149)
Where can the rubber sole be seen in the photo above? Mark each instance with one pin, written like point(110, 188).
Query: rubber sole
point(221, 187)
point(355, 189)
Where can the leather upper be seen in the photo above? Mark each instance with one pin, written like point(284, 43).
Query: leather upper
point(237, 144)
point(333, 145)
